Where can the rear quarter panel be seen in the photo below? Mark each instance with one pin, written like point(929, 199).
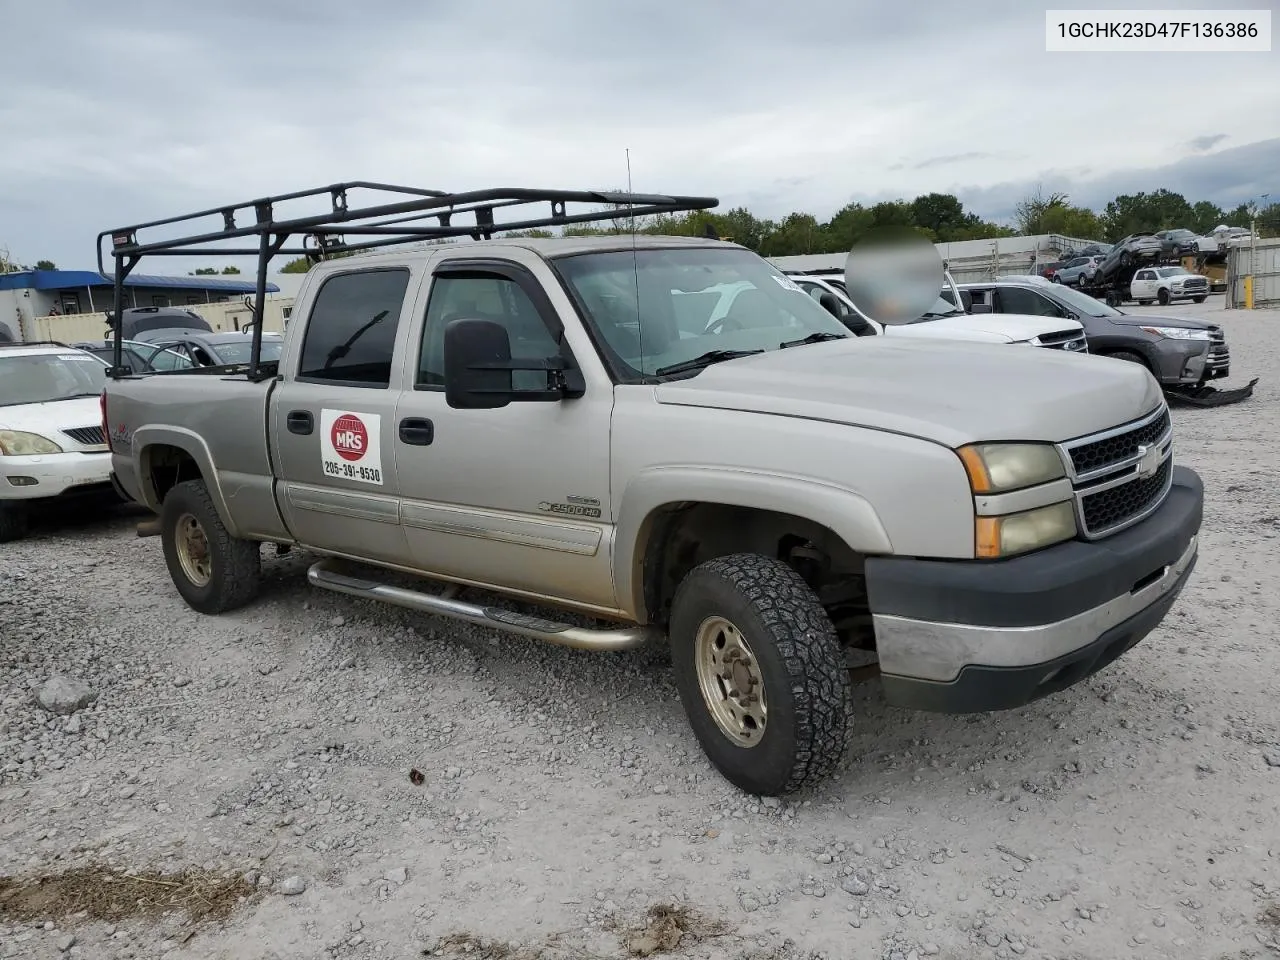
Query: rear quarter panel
point(220, 422)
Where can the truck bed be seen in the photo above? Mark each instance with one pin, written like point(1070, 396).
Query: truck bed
point(215, 416)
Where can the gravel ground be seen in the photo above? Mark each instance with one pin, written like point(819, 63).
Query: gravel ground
point(562, 795)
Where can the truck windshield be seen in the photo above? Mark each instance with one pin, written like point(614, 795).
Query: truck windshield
point(48, 377)
point(658, 308)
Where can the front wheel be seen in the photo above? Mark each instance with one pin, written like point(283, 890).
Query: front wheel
point(212, 570)
point(1163, 297)
point(1129, 356)
point(1199, 299)
point(14, 522)
point(760, 673)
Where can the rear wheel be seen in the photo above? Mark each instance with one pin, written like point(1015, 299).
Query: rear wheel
point(14, 522)
point(760, 673)
point(1162, 296)
point(212, 570)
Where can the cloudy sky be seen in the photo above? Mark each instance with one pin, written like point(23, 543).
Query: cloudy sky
point(118, 112)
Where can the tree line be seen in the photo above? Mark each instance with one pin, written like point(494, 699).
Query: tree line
point(940, 217)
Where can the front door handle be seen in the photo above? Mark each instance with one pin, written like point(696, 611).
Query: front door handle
point(418, 431)
point(300, 422)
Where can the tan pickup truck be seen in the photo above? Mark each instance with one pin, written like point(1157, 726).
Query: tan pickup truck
point(563, 421)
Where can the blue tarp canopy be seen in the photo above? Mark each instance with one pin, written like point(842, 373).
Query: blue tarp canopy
point(72, 279)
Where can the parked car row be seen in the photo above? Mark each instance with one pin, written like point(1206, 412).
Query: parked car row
point(1178, 351)
point(52, 446)
point(945, 320)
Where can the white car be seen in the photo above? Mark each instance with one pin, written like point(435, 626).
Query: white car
point(946, 321)
point(51, 440)
point(1167, 284)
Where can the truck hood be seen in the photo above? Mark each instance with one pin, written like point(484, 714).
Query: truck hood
point(1151, 320)
point(47, 419)
point(1012, 327)
point(952, 394)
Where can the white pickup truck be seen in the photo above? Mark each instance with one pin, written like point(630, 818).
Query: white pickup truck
point(770, 498)
point(945, 320)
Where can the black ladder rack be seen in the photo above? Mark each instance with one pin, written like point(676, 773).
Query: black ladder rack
point(393, 215)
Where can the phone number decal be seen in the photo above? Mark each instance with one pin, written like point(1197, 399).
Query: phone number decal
point(349, 472)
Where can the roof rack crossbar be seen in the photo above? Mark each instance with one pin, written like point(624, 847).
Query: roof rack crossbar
point(402, 227)
point(421, 205)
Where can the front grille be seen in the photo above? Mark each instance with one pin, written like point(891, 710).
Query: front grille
point(1196, 285)
point(1219, 355)
point(1112, 507)
point(1098, 454)
point(1120, 476)
point(89, 436)
point(1058, 337)
point(1072, 340)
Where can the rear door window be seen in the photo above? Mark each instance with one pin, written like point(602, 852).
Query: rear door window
point(351, 333)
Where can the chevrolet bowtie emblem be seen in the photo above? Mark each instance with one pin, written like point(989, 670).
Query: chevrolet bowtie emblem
point(1148, 461)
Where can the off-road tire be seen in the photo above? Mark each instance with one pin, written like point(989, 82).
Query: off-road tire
point(1199, 299)
point(1163, 297)
point(235, 565)
point(14, 522)
point(806, 683)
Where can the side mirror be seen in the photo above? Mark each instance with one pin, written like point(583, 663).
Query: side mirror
point(980, 308)
point(478, 367)
point(966, 301)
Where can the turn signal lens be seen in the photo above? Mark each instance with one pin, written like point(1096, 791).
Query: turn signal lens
point(1015, 533)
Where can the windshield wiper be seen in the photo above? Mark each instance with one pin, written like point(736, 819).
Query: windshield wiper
point(705, 360)
point(818, 337)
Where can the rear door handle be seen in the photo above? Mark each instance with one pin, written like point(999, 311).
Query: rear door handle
point(418, 431)
point(300, 422)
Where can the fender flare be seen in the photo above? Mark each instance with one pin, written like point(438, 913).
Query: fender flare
point(846, 513)
point(190, 443)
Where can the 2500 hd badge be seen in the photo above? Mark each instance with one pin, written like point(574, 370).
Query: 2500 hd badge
point(569, 509)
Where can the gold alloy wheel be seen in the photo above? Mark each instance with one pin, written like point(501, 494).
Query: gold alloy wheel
point(731, 682)
point(193, 550)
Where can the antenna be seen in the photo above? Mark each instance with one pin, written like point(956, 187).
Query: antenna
point(635, 267)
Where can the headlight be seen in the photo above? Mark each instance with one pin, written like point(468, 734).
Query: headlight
point(1177, 333)
point(1001, 467)
point(15, 443)
point(1016, 533)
